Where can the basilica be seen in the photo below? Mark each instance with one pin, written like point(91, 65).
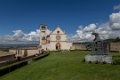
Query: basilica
point(53, 40)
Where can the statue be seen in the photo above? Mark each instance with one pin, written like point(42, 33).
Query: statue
point(100, 50)
point(99, 47)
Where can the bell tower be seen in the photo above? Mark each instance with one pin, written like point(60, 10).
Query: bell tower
point(43, 36)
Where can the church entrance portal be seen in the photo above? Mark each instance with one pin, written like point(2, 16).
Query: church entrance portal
point(58, 46)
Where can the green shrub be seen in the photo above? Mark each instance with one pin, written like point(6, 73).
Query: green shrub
point(103, 62)
point(41, 56)
point(96, 62)
point(90, 62)
point(116, 61)
point(83, 60)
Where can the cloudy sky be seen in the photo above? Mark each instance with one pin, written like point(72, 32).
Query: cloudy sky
point(20, 19)
point(106, 30)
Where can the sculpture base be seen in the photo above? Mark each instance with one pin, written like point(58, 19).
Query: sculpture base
point(99, 58)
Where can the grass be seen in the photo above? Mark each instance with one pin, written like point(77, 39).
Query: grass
point(65, 66)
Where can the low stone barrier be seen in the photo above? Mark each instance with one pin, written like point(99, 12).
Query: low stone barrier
point(9, 68)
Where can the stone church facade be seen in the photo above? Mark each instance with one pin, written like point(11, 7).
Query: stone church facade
point(54, 40)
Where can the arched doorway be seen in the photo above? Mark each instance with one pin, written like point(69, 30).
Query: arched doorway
point(58, 46)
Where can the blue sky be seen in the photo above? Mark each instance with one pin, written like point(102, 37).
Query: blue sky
point(27, 15)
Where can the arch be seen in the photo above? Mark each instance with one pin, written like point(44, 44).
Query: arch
point(58, 46)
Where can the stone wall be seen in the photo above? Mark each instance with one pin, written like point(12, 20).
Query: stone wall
point(24, 52)
point(78, 46)
point(115, 46)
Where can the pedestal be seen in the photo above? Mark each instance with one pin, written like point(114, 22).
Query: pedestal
point(99, 58)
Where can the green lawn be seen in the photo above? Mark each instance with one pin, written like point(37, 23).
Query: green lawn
point(65, 66)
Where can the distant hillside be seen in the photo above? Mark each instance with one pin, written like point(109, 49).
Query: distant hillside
point(19, 44)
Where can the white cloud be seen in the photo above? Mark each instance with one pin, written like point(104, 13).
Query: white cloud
point(90, 27)
point(110, 29)
point(19, 35)
point(117, 7)
point(84, 34)
point(115, 20)
point(32, 36)
point(104, 31)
